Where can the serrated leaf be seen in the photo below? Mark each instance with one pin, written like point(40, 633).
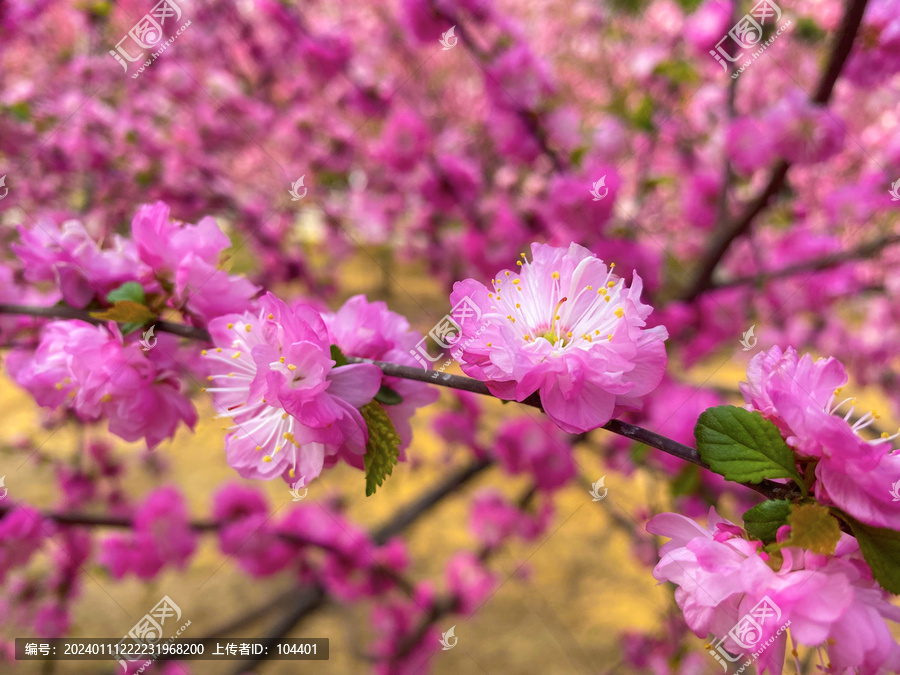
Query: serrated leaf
point(763, 520)
point(881, 549)
point(743, 446)
point(126, 311)
point(131, 291)
point(338, 356)
point(814, 528)
point(388, 396)
point(383, 448)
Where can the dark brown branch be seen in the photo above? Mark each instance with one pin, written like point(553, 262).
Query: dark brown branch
point(62, 312)
point(723, 239)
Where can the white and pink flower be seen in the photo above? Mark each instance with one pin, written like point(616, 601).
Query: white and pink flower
point(566, 326)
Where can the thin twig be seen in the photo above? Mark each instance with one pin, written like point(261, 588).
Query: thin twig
point(818, 264)
point(723, 239)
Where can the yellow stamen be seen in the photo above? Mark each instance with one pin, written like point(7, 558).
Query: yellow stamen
point(247, 328)
point(516, 281)
point(555, 275)
point(236, 355)
point(231, 325)
point(620, 312)
point(271, 316)
point(218, 349)
point(203, 353)
point(292, 367)
point(267, 458)
point(610, 284)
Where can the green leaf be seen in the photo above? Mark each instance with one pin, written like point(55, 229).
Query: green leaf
point(808, 31)
point(338, 356)
point(383, 448)
point(130, 290)
point(814, 528)
point(881, 549)
point(577, 155)
point(126, 311)
point(687, 481)
point(643, 115)
point(676, 71)
point(21, 111)
point(388, 396)
point(763, 520)
point(743, 446)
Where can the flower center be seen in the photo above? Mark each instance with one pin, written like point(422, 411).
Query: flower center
point(550, 335)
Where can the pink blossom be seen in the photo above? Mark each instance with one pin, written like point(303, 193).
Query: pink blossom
point(791, 391)
point(189, 256)
point(69, 257)
point(493, 519)
point(799, 395)
point(393, 622)
point(92, 371)
point(51, 619)
point(161, 536)
point(423, 21)
point(404, 140)
point(469, 581)
point(876, 55)
point(747, 144)
point(830, 600)
point(700, 199)
point(567, 327)
point(858, 476)
point(518, 79)
point(293, 411)
point(538, 448)
point(370, 330)
point(326, 55)
point(802, 132)
point(245, 531)
point(458, 424)
point(707, 26)
point(22, 533)
point(454, 181)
